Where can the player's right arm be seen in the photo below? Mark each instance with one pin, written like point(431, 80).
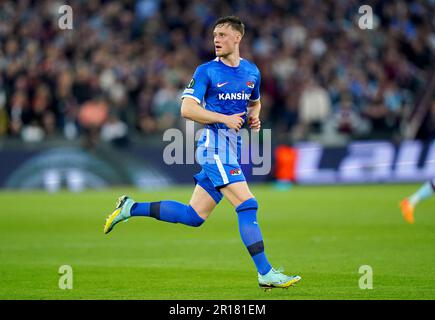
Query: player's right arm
point(194, 94)
point(190, 109)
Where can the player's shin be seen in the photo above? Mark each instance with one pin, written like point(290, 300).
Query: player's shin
point(251, 234)
point(425, 191)
point(169, 211)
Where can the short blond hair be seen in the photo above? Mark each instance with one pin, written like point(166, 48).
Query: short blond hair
point(233, 21)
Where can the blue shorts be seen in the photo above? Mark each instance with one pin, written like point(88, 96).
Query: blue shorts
point(218, 154)
point(212, 177)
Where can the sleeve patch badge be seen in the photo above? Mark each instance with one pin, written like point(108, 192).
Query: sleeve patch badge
point(191, 83)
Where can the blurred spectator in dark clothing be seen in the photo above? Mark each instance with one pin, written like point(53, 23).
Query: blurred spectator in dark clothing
point(427, 130)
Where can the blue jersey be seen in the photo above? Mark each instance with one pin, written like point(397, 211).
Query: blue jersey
point(226, 90)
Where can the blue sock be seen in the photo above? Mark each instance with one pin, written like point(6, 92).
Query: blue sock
point(251, 234)
point(169, 211)
point(424, 192)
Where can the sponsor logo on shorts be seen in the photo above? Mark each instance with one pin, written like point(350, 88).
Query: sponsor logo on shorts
point(235, 172)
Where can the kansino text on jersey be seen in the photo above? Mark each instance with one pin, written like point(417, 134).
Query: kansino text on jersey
point(234, 96)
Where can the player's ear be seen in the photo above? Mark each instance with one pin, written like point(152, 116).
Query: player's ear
point(238, 37)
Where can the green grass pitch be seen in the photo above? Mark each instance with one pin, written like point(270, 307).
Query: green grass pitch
point(322, 233)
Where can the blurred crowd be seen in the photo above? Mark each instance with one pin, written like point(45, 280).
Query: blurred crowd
point(120, 71)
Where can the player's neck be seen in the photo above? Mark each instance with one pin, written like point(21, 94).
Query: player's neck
point(232, 60)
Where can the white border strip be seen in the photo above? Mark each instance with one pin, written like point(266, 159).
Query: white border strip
point(207, 138)
point(221, 169)
point(190, 96)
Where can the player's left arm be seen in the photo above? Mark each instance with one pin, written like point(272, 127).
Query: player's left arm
point(254, 109)
point(254, 106)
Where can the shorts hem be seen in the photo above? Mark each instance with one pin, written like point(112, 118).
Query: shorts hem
point(214, 197)
point(227, 184)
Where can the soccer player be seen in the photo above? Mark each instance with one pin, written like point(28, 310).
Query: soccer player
point(222, 95)
point(408, 205)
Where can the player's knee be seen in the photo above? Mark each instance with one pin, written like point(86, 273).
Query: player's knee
point(196, 220)
point(250, 204)
point(197, 223)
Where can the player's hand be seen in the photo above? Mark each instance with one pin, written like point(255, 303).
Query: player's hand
point(234, 121)
point(254, 123)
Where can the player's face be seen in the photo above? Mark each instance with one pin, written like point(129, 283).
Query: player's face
point(225, 40)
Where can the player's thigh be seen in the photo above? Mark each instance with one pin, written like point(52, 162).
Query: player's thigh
point(202, 202)
point(237, 193)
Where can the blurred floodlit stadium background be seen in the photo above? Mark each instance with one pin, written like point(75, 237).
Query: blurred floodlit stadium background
point(87, 107)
